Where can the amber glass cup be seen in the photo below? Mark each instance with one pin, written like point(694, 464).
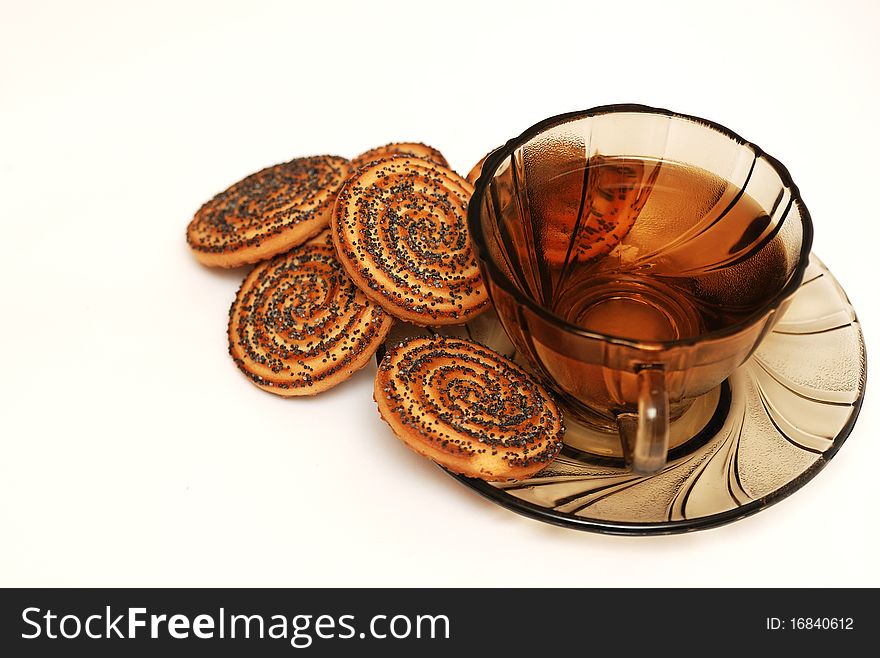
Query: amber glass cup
point(636, 257)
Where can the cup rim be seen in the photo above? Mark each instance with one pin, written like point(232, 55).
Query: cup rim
point(500, 278)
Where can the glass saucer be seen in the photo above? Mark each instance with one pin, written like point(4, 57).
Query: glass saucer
point(763, 434)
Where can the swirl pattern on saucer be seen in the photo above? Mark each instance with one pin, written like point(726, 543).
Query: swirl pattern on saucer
point(468, 408)
point(400, 231)
point(762, 435)
point(268, 212)
point(298, 326)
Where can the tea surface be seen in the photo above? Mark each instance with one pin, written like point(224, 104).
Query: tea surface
point(652, 250)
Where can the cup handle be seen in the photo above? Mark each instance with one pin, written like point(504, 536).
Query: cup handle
point(645, 435)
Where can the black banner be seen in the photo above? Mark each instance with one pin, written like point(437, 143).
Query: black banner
point(427, 622)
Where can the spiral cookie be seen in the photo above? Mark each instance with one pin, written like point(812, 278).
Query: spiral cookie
point(414, 149)
point(268, 212)
point(400, 231)
point(468, 408)
point(299, 326)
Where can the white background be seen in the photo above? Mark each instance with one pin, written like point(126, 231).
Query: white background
point(132, 450)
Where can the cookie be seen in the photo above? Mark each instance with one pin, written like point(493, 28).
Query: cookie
point(400, 230)
point(413, 149)
point(268, 212)
point(299, 326)
point(469, 409)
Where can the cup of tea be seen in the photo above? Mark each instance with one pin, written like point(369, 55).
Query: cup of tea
point(636, 257)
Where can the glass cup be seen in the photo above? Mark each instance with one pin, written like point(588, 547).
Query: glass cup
point(636, 257)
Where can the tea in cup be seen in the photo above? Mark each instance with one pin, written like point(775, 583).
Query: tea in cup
point(636, 257)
